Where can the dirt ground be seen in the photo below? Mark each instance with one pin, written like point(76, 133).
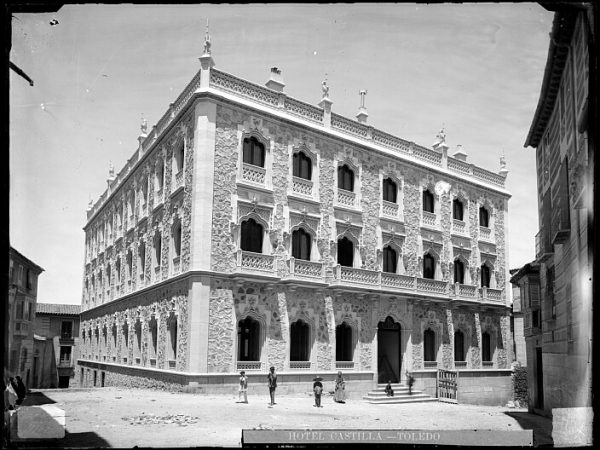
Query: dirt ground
point(94, 417)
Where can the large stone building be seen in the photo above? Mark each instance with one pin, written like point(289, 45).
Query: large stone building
point(559, 347)
point(252, 230)
point(22, 298)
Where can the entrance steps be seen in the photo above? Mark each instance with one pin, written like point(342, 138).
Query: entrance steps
point(401, 395)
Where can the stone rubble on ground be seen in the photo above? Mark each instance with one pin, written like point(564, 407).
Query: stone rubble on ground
point(146, 419)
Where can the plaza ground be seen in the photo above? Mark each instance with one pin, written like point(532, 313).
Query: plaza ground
point(95, 417)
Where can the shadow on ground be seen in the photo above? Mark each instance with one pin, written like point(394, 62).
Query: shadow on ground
point(541, 426)
point(37, 398)
point(71, 440)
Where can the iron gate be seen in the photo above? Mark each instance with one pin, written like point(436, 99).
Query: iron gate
point(447, 385)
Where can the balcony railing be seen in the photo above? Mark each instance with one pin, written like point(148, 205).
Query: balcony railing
point(248, 365)
point(395, 280)
point(302, 268)
point(485, 233)
point(178, 180)
point(302, 186)
point(254, 174)
point(357, 276)
point(299, 364)
point(429, 219)
point(344, 365)
point(250, 261)
point(458, 226)
point(389, 209)
point(346, 198)
point(176, 265)
point(465, 291)
point(432, 286)
point(491, 295)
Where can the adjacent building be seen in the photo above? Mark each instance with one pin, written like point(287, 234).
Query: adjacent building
point(517, 323)
point(22, 298)
point(56, 345)
point(251, 229)
point(563, 134)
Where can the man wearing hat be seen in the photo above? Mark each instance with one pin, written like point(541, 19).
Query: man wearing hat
point(272, 380)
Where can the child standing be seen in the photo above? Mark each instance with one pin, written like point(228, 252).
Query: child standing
point(243, 388)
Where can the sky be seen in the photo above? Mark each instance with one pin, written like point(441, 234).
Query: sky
point(475, 69)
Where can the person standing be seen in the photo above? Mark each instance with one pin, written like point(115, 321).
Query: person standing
point(318, 390)
point(272, 380)
point(410, 380)
point(340, 389)
point(21, 391)
point(243, 388)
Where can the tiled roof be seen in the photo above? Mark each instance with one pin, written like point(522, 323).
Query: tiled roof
point(57, 309)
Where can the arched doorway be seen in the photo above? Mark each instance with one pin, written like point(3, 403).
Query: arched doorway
point(248, 340)
point(389, 351)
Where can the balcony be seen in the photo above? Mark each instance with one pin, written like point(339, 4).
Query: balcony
point(428, 285)
point(429, 219)
point(176, 265)
point(344, 365)
point(394, 280)
point(459, 227)
point(491, 295)
point(248, 365)
point(302, 186)
point(561, 227)
point(65, 363)
point(253, 174)
point(389, 209)
point(300, 269)
point(543, 247)
point(354, 276)
point(485, 234)
point(346, 198)
point(466, 291)
point(251, 262)
point(177, 181)
point(303, 365)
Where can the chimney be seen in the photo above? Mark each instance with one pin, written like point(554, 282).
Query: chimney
point(275, 80)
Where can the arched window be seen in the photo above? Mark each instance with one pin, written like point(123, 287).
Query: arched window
point(177, 239)
point(248, 340)
point(485, 276)
point(142, 260)
point(345, 251)
point(137, 346)
point(301, 244)
point(343, 342)
point(390, 259)
point(126, 335)
point(428, 201)
point(157, 250)
point(428, 266)
point(457, 209)
point(459, 346)
point(172, 338)
point(118, 270)
point(484, 217)
point(114, 335)
point(302, 167)
point(159, 174)
point(459, 271)
point(129, 264)
point(108, 276)
point(179, 156)
point(346, 178)
point(254, 152)
point(486, 347)
point(429, 345)
point(390, 190)
point(251, 236)
point(299, 341)
point(153, 327)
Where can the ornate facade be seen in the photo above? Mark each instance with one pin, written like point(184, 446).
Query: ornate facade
point(252, 230)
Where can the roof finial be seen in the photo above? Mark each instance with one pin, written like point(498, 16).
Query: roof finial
point(144, 125)
point(207, 41)
point(503, 170)
point(111, 170)
point(441, 136)
point(324, 87)
point(362, 93)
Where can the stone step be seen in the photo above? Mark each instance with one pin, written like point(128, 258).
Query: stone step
point(396, 393)
point(402, 399)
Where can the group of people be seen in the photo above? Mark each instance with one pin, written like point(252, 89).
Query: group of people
point(339, 393)
point(14, 392)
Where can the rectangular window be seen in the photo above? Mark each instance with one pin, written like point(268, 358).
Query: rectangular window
point(20, 279)
point(65, 355)
point(66, 329)
point(20, 310)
